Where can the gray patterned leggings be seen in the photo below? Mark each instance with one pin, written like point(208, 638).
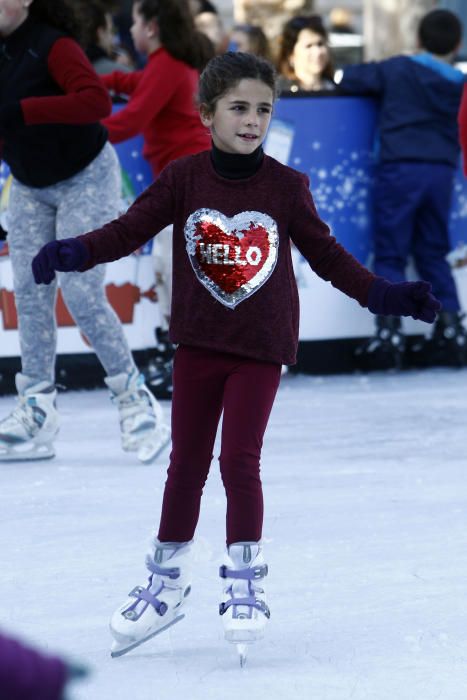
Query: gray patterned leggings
point(38, 215)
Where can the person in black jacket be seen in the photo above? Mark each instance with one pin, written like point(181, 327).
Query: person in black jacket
point(419, 100)
point(66, 179)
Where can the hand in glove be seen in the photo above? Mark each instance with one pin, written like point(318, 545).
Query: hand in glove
point(65, 256)
point(403, 299)
point(27, 674)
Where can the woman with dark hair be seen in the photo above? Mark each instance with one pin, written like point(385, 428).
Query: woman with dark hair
point(66, 177)
point(304, 59)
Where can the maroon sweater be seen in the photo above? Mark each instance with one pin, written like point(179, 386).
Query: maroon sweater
point(234, 287)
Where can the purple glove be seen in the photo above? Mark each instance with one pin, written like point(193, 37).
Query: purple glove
point(403, 299)
point(26, 674)
point(66, 255)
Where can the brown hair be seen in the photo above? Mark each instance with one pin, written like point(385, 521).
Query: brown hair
point(177, 31)
point(225, 71)
point(289, 38)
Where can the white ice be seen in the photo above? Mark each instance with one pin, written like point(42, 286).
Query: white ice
point(365, 482)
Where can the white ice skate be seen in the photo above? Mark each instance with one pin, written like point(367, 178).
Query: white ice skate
point(141, 420)
point(243, 607)
point(150, 610)
point(28, 432)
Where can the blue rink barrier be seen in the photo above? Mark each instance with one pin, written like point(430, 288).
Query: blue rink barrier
point(333, 139)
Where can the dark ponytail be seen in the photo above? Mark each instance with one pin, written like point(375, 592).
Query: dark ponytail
point(57, 13)
point(177, 31)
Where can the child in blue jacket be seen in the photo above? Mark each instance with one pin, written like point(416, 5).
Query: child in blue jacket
point(419, 100)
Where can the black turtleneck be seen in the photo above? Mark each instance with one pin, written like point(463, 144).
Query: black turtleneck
point(234, 166)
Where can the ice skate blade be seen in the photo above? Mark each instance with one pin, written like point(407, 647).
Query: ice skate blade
point(151, 449)
point(242, 652)
point(119, 648)
point(17, 454)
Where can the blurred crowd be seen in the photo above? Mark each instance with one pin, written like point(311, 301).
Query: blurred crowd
point(106, 37)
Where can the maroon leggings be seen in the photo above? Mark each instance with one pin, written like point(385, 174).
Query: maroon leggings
point(205, 384)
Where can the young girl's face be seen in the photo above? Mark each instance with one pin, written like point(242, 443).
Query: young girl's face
point(310, 54)
point(142, 32)
point(12, 14)
point(241, 118)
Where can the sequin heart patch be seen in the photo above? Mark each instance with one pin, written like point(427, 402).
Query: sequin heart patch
point(231, 257)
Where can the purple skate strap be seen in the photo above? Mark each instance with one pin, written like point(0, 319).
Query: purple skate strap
point(144, 594)
point(171, 572)
point(250, 602)
point(255, 573)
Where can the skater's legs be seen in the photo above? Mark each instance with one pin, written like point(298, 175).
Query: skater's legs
point(31, 224)
point(249, 394)
point(431, 240)
point(199, 378)
point(85, 202)
point(396, 199)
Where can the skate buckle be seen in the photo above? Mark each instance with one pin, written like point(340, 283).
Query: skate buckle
point(258, 572)
point(250, 602)
point(172, 572)
point(143, 594)
point(162, 609)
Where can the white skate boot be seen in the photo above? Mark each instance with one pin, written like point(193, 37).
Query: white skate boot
point(27, 433)
point(141, 420)
point(151, 610)
point(243, 607)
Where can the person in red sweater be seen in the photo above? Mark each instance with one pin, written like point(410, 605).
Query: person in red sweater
point(162, 107)
point(162, 96)
point(235, 318)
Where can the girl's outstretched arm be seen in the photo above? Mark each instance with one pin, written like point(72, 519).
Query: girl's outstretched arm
point(333, 263)
point(121, 82)
point(158, 84)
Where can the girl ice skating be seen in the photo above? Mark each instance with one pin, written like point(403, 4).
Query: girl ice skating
point(235, 319)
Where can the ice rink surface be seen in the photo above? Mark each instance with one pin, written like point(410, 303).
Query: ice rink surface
point(365, 481)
